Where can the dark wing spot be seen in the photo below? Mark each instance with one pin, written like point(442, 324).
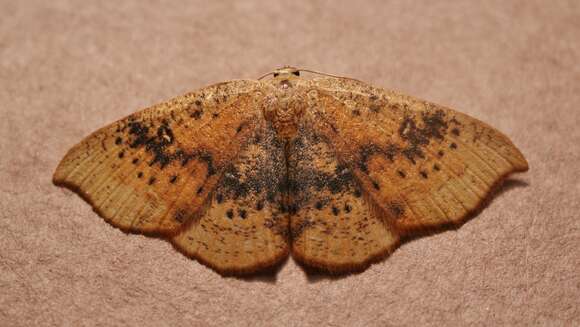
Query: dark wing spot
point(239, 129)
point(299, 229)
point(230, 213)
point(118, 140)
point(436, 167)
point(334, 128)
point(376, 185)
point(391, 151)
point(318, 205)
point(423, 174)
point(185, 159)
point(200, 190)
point(140, 174)
point(179, 216)
point(165, 134)
point(396, 209)
point(347, 208)
point(453, 146)
point(293, 209)
point(219, 198)
point(455, 131)
point(375, 108)
point(208, 159)
point(173, 179)
point(260, 205)
point(243, 213)
point(412, 153)
point(401, 173)
point(368, 150)
point(121, 154)
point(335, 211)
point(151, 180)
point(196, 114)
point(135, 161)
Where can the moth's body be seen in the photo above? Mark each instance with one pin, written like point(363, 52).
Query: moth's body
point(335, 171)
point(284, 104)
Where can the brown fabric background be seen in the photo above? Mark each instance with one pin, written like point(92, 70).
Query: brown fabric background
point(69, 67)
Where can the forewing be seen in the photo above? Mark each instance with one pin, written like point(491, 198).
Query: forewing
point(423, 164)
point(245, 227)
point(153, 170)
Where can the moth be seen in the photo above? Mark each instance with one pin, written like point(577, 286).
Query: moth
point(331, 170)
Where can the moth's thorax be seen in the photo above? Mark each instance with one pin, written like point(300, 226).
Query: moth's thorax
point(284, 106)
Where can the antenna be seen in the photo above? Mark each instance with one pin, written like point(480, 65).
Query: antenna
point(308, 71)
point(270, 73)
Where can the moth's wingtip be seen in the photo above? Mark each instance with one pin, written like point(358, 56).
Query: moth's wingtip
point(60, 180)
point(518, 160)
point(57, 178)
point(59, 175)
point(521, 165)
point(525, 166)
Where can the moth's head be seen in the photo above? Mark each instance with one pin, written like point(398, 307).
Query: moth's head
point(289, 72)
point(286, 72)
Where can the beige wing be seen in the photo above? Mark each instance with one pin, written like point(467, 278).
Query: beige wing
point(333, 226)
point(245, 227)
point(423, 164)
point(153, 170)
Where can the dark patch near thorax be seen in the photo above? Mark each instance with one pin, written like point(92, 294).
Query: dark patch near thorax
point(265, 176)
point(305, 180)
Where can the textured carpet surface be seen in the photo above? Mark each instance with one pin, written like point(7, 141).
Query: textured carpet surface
point(69, 67)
